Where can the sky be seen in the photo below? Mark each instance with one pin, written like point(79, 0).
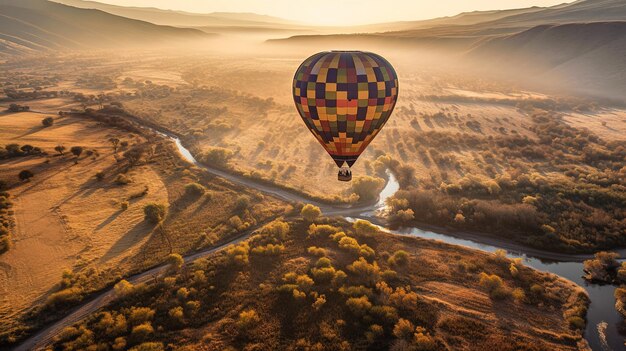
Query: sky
point(340, 12)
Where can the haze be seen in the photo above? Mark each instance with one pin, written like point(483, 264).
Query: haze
point(345, 12)
point(160, 187)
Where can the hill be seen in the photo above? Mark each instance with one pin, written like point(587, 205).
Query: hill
point(587, 55)
point(36, 25)
point(181, 18)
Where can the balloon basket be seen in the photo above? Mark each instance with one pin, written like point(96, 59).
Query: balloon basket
point(344, 175)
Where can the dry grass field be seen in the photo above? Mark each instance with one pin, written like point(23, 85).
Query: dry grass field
point(79, 222)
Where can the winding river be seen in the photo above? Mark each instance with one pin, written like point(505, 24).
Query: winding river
point(602, 318)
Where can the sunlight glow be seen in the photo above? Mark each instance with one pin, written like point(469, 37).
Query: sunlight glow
point(340, 12)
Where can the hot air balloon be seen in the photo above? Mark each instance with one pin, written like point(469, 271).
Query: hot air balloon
point(345, 98)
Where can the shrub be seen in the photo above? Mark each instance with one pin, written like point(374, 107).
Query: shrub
point(319, 302)
point(494, 285)
point(316, 230)
point(248, 319)
point(100, 176)
point(123, 288)
point(76, 151)
point(176, 313)
point(154, 212)
point(399, 258)
point(364, 228)
point(47, 122)
point(364, 269)
point(140, 315)
point(242, 203)
point(142, 331)
point(239, 254)
point(25, 175)
point(403, 329)
point(269, 250)
point(124, 205)
point(359, 306)
point(216, 156)
point(175, 262)
point(367, 188)
point(194, 189)
point(119, 343)
point(422, 340)
point(519, 295)
point(310, 213)
point(316, 251)
point(60, 149)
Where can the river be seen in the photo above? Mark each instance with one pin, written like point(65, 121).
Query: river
point(600, 316)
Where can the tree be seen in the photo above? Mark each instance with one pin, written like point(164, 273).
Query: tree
point(154, 212)
point(115, 142)
point(25, 175)
point(364, 228)
point(60, 149)
point(76, 151)
point(13, 149)
point(47, 122)
point(367, 187)
point(310, 213)
point(134, 155)
point(27, 149)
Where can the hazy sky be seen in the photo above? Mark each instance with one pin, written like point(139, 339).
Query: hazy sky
point(338, 12)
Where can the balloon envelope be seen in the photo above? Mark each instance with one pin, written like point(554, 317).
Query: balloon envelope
point(345, 98)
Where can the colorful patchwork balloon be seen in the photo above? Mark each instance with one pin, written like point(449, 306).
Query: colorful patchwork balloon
point(345, 98)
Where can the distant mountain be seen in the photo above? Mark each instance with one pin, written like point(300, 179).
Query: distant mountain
point(462, 19)
point(576, 12)
point(470, 28)
point(35, 25)
point(181, 18)
point(588, 56)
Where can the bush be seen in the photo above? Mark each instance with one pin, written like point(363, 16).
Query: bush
point(216, 156)
point(76, 151)
point(123, 288)
point(248, 319)
point(367, 188)
point(142, 331)
point(47, 122)
point(140, 315)
point(175, 262)
point(310, 213)
point(239, 254)
point(25, 175)
point(242, 203)
point(494, 285)
point(154, 212)
point(403, 329)
point(399, 258)
point(364, 228)
point(359, 306)
point(317, 230)
point(194, 189)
